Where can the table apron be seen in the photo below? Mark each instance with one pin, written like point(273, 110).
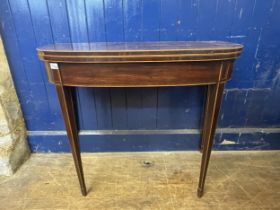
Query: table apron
point(140, 74)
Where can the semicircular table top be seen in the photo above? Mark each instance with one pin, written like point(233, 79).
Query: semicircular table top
point(123, 52)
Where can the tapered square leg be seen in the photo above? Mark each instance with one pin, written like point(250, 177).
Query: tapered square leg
point(205, 127)
point(214, 98)
point(65, 95)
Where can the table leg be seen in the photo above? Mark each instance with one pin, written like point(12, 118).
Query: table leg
point(215, 93)
point(205, 119)
point(65, 95)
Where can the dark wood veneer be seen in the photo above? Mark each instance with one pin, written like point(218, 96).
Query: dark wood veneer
point(147, 64)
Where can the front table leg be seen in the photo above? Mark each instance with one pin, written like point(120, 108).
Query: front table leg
point(65, 95)
point(205, 119)
point(214, 95)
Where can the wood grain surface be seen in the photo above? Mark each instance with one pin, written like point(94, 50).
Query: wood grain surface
point(124, 52)
point(153, 64)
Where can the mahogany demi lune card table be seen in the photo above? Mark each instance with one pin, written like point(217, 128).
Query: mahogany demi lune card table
point(142, 64)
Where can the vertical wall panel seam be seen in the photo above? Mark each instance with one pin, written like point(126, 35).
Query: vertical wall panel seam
point(50, 21)
point(69, 29)
point(232, 18)
point(105, 22)
point(41, 70)
point(124, 39)
point(16, 33)
point(160, 23)
point(94, 96)
point(142, 29)
point(126, 107)
point(217, 6)
point(176, 22)
point(4, 40)
point(254, 6)
point(77, 96)
point(12, 69)
point(157, 108)
point(86, 19)
point(111, 107)
point(20, 50)
point(95, 107)
point(159, 36)
point(123, 24)
point(246, 119)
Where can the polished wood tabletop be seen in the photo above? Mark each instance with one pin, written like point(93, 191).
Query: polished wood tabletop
point(124, 52)
point(141, 64)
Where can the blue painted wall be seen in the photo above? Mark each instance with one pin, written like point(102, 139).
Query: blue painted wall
point(250, 115)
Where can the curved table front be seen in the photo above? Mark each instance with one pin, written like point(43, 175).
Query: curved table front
point(143, 64)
